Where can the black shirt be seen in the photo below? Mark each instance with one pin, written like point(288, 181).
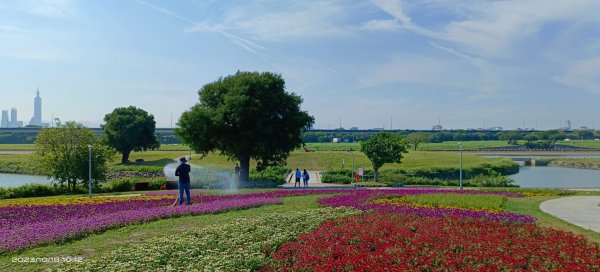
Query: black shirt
point(183, 172)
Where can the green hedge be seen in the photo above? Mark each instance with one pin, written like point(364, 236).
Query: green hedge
point(126, 184)
point(35, 190)
point(485, 175)
point(275, 174)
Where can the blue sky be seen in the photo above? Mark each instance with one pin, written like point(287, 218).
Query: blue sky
point(465, 62)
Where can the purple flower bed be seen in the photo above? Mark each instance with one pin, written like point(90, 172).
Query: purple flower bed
point(359, 200)
point(44, 226)
point(25, 226)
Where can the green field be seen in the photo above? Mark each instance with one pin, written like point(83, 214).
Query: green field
point(313, 161)
point(466, 145)
point(581, 143)
point(108, 241)
point(27, 147)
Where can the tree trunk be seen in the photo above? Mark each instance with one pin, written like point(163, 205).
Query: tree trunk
point(125, 158)
point(376, 173)
point(244, 169)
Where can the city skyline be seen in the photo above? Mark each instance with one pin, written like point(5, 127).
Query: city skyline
point(511, 63)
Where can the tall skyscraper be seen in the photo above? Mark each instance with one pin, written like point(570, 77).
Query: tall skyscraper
point(13, 117)
point(4, 123)
point(36, 120)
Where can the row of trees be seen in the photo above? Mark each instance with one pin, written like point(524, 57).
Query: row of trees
point(245, 116)
point(64, 152)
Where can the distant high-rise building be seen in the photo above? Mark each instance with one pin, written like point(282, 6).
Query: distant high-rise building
point(568, 124)
point(14, 121)
point(4, 123)
point(13, 118)
point(36, 120)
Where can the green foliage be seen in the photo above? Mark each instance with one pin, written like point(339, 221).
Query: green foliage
point(62, 152)
point(33, 190)
point(384, 147)
point(274, 174)
point(130, 129)
point(126, 184)
point(19, 164)
point(417, 138)
point(246, 116)
point(342, 176)
point(512, 137)
point(540, 144)
point(336, 178)
point(137, 168)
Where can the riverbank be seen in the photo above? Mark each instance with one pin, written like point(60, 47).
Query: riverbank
point(575, 163)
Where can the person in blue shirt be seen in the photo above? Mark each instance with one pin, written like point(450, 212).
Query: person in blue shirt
point(298, 176)
point(305, 177)
point(183, 172)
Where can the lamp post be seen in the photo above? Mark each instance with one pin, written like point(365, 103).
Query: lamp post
point(90, 171)
point(352, 177)
point(460, 173)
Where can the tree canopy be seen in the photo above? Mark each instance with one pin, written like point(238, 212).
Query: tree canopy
point(246, 116)
point(63, 154)
point(384, 147)
point(130, 129)
point(417, 138)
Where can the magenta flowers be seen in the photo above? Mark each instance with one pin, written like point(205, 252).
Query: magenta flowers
point(22, 227)
point(359, 200)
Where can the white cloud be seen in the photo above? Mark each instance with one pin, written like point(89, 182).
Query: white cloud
point(294, 20)
point(50, 8)
point(490, 27)
point(583, 74)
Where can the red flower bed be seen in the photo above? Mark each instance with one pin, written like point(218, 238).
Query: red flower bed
point(387, 242)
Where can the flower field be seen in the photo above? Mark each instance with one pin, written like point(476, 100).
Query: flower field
point(239, 246)
point(407, 229)
point(20, 222)
point(362, 200)
point(377, 242)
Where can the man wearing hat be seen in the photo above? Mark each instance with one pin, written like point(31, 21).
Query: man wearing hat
point(183, 172)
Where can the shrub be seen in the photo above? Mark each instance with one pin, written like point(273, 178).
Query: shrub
point(126, 184)
point(271, 174)
point(34, 190)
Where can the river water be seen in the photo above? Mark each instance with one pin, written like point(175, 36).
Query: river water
point(13, 180)
point(556, 177)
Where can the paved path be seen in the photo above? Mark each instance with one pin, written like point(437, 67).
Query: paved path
point(582, 211)
point(313, 182)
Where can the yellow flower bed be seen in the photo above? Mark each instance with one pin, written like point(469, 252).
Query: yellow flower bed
point(403, 201)
point(68, 200)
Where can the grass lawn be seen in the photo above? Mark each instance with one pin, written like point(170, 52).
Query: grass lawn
point(581, 143)
point(531, 206)
point(585, 160)
point(466, 145)
point(313, 161)
point(17, 146)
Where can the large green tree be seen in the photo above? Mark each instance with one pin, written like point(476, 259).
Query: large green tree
point(384, 147)
point(63, 153)
point(246, 116)
point(130, 129)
